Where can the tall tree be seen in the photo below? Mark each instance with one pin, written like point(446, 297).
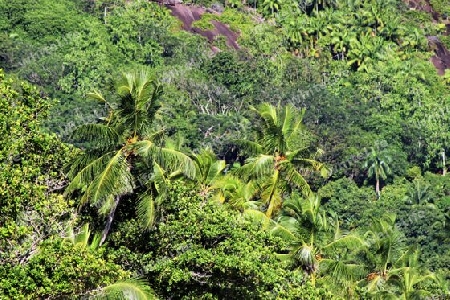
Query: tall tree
point(304, 225)
point(385, 248)
point(408, 275)
point(377, 164)
point(120, 146)
point(281, 154)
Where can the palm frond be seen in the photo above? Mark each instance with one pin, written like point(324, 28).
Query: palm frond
point(311, 164)
point(214, 171)
point(208, 168)
point(258, 217)
point(267, 112)
point(106, 205)
point(83, 236)
point(342, 273)
point(153, 105)
point(271, 195)
point(82, 178)
point(96, 240)
point(284, 257)
point(146, 210)
point(159, 175)
point(297, 125)
point(270, 135)
point(292, 121)
point(376, 283)
point(235, 192)
point(139, 100)
point(349, 241)
point(132, 289)
point(248, 147)
point(97, 136)
point(284, 231)
point(96, 95)
point(298, 153)
point(293, 176)
point(168, 159)
point(260, 166)
point(293, 206)
point(115, 179)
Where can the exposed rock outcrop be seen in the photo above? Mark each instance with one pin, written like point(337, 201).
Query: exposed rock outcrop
point(441, 59)
point(189, 14)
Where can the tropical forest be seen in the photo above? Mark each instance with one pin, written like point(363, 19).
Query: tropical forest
point(225, 149)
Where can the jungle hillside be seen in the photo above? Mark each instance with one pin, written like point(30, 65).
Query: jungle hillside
point(224, 149)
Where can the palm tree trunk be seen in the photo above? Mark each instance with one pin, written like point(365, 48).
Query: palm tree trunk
point(109, 219)
point(444, 170)
point(377, 188)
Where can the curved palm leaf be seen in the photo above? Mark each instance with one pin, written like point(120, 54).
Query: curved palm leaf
point(97, 136)
point(342, 273)
point(208, 168)
point(168, 159)
point(83, 178)
point(115, 179)
point(132, 289)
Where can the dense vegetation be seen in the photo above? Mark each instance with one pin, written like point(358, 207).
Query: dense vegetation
point(139, 160)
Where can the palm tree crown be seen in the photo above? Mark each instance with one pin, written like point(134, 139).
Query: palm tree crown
point(121, 146)
point(281, 154)
point(304, 225)
point(377, 164)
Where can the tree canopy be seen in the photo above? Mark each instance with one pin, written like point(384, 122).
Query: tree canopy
point(259, 149)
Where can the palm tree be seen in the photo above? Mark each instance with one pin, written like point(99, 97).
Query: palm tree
point(237, 194)
point(384, 249)
point(121, 146)
point(377, 164)
point(280, 155)
point(304, 226)
point(408, 274)
point(419, 193)
point(208, 169)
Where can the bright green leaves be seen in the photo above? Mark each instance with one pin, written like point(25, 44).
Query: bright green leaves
point(127, 289)
point(359, 33)
point(203, 248)
point(283, 148)
point(103, 173)
point(30, 171)
point(134, 30)
point(58, 268)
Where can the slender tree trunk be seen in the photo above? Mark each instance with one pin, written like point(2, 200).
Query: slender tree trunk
point(109, 219)
point(444, 169)
point(377, 188)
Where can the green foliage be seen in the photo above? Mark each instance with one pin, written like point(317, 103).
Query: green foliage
point(134, 289)
point(441, 7)
point(377, 165)
point(279, 154)
point(196, 225)
point(31, 179)
point(204, 251)
point(308, 232)
point(135, 30)
point(58, 268)
point(124, 139)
